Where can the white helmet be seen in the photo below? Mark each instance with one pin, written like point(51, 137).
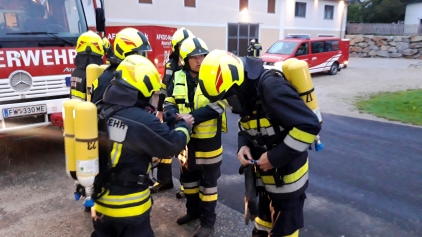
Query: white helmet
point(252, 41)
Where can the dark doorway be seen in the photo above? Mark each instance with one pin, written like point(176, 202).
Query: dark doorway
point(239, 36)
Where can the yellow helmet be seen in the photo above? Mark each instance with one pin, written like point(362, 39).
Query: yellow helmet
point(193, 46)
point(129, 41)
point(90, 43)
point(179, 36)
point(219, 71)
point(140, 73)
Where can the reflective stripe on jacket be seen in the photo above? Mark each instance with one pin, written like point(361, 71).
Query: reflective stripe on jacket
point(134, 137)
point(206, 136)
point(78, 84)
point(293, 177)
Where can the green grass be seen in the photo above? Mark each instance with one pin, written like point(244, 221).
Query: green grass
point(403, 106)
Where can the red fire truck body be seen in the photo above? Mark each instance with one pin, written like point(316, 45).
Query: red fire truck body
point(37, 51)
point(158, 36)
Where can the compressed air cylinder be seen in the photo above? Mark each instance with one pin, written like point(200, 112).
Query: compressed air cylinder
point(285, 68)
point(300, 77)
point(69, 136)
point(297, 74)
point(86, 147)
point(93, 71)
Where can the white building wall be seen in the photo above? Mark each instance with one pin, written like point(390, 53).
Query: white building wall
point(413, 13)
point(314, 23)
point(209, 19)
point(173, 12)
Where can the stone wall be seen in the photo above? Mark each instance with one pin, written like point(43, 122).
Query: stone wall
point(370, 46)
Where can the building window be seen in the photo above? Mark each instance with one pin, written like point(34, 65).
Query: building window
point(239, 36)
point(300, 9)
point(328, 12)
point(243, 4)
point(271, 6)
point(145, 1)
point(190, 3)
point(325, 46)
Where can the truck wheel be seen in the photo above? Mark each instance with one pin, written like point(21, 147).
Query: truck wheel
point(334, 69)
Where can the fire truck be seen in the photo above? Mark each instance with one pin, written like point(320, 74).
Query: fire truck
point(158, 36)
point(37, 51)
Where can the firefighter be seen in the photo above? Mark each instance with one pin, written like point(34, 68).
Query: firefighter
point(174, 63)
point(89, 49)
point(164, 172)
point(128, 41)
point(254, 48)
point(276, 130)
point(201, 160)
point(134, 135)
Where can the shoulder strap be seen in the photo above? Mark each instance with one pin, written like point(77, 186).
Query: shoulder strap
point(261, 79)
point(103, 116)
point(103, 179)
point(264, 76)
point(265, 109)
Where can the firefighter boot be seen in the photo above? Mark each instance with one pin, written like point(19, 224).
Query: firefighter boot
point(186, 219)
point(203, 232)
point(157, 187)
point(259, 233)
point(180, 194)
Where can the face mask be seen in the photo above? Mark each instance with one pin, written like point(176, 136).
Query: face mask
point(237, 102)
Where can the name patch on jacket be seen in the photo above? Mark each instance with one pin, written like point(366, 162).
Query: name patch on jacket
point(117, 129)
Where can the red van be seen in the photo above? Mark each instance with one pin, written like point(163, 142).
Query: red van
point(323, 54)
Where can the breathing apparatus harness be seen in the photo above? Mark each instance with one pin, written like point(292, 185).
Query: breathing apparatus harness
point(108, 176)
point(258, 140)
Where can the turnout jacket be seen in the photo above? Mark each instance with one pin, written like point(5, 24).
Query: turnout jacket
point(172, 66)
point(281, 123)
point(78, 84)
point(100, 85)
point(254, 50)
point(135, 136)
point(205, 147)
point(78, 77)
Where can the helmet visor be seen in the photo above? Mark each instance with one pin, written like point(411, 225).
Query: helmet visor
point(207, 95)
point(234, 101)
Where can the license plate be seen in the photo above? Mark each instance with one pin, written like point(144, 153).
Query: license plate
point(24, 110)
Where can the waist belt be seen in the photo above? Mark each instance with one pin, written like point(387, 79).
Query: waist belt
point(126, 178)
point(278, 179)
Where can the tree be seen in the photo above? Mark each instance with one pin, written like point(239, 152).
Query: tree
point(376, 11)
point(354, 13)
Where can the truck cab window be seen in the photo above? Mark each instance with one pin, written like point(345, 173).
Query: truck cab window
point(52, 16)
point(302, 50)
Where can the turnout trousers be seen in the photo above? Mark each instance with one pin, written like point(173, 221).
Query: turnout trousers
point(200, 188)
point(279, 217)
point(164, 173)
point(110, 229)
